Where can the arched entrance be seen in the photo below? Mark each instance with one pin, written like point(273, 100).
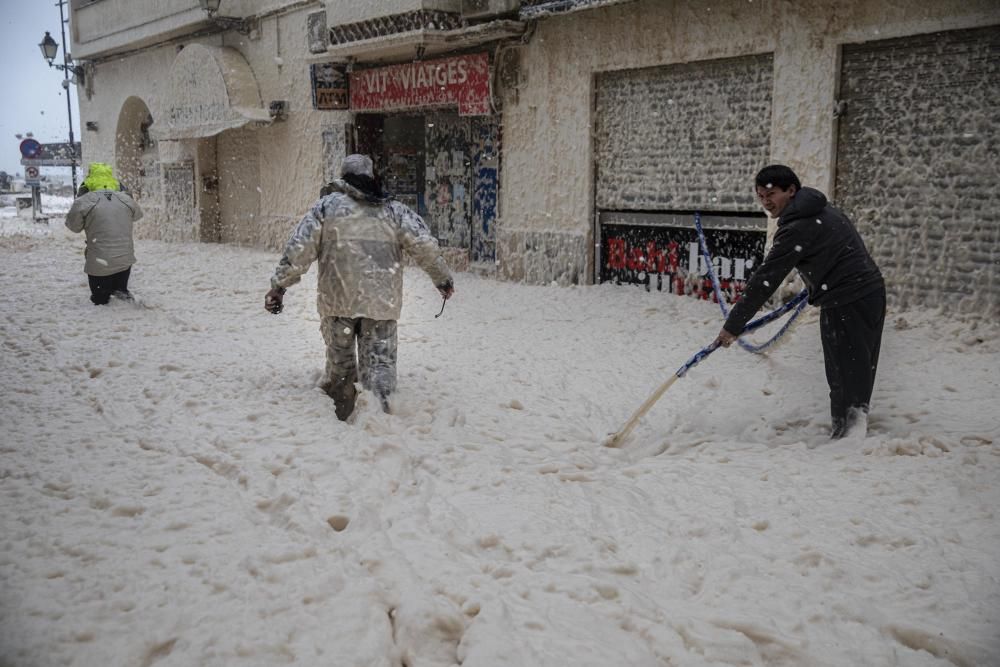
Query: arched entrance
point(212, 182)
point(137, 163)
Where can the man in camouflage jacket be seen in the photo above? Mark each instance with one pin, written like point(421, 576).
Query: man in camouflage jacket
point(357, 235)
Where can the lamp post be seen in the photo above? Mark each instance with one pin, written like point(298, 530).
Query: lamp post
point(211, 7)
point(49, 48)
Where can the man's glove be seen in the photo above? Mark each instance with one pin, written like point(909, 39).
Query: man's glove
point(446, 289)
point(273, 300)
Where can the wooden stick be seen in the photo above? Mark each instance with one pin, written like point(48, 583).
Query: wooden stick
point(615, 440)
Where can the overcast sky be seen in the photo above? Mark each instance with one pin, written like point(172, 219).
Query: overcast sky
point(33, 97)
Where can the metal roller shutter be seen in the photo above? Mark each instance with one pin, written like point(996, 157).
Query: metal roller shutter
point(918, 164)
point(683, 137)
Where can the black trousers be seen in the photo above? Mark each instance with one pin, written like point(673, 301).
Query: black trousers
point(102, 287)
point(852, 336)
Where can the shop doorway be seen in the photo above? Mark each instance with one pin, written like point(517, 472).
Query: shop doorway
point(208, 192)
point(445, 167)
point(228, 187)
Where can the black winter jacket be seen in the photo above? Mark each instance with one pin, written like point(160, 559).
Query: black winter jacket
point(819, 241)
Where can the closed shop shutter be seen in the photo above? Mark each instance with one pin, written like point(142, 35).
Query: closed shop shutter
point(683, 137)
point(918, 164)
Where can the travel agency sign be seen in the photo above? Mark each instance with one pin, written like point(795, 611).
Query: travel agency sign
point(462, 81)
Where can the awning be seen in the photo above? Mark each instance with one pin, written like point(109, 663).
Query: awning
point(210, 90)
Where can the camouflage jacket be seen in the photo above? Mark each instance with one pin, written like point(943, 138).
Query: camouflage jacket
point(358, 246)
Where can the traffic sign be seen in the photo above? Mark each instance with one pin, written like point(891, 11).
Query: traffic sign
point(30, 148)
point(62, 149)
point(31, 177)
point(61, 154)
point(49, 162)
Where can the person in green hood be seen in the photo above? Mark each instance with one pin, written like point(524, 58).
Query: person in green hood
point(99, 177)
point(107, 215)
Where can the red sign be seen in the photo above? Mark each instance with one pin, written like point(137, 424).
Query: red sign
point(669, 258)
point(461, 80)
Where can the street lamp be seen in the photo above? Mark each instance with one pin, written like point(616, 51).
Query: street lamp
point(49, 48)
point(211, 7)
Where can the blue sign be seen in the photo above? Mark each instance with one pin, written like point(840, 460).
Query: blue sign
point(30, 148)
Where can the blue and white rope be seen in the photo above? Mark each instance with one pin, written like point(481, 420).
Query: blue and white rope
point(799, 302)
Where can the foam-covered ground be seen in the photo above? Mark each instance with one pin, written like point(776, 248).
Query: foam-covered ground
point(175, 489)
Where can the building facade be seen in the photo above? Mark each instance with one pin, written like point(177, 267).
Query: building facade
point(566, 140)
point(659, 109)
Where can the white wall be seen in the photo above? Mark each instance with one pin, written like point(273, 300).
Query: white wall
point(123, 24)
point(290, 167)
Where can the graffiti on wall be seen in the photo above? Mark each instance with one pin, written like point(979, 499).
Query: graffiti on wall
point(485, 151)
point(334, 150)
point(447, 179)
point(461, 181)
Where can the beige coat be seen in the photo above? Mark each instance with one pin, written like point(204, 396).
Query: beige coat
point(107, 218)
point(359, 248)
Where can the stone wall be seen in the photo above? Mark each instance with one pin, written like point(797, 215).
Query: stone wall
point(543, 257)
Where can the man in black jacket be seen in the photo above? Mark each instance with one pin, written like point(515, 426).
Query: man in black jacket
point(843, 280)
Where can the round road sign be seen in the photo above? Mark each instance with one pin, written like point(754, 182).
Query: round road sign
point(30, 148)
point(31, 172)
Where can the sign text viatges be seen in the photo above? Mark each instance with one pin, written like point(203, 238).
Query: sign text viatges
point(461, 80)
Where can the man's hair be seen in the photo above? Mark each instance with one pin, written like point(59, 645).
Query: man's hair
point(777, 176)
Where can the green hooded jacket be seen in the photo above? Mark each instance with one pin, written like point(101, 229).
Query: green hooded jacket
point(100, 177)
